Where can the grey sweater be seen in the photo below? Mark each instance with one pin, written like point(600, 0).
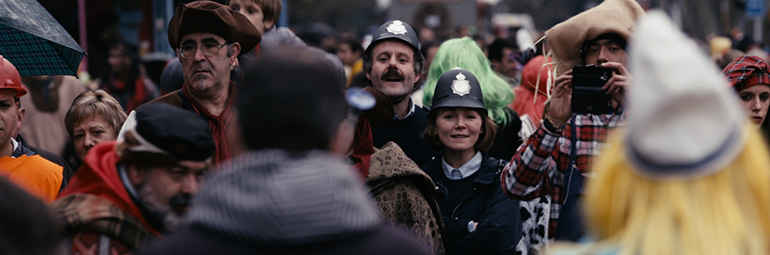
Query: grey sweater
point(275, 198)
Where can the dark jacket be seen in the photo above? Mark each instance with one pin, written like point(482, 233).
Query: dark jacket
point(407, 133)
point(507, 139)
point(499, 227)
point(383, 240)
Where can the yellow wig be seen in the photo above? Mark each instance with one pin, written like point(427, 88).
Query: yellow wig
point(727, 212)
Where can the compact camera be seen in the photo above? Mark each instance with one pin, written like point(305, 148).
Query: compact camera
point(587, 93)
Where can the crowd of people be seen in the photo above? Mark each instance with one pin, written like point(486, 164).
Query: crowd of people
point(614, 134)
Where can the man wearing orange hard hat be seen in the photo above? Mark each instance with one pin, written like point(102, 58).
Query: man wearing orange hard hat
point(27, 169)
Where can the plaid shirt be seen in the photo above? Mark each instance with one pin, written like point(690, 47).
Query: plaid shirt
point(539, 167)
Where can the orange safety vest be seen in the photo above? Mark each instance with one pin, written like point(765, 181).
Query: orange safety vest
point(36, 175)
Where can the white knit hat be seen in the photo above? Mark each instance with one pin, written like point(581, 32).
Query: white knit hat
point(685, 121)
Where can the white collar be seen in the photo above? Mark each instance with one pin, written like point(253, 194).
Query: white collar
point(410, 113)
point(14, 146)
point(468, 169)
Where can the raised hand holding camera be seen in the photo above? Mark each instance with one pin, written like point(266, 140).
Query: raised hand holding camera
point(617, 86)
point(588, 93)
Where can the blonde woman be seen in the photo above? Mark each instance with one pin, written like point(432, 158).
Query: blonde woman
point(94, 117)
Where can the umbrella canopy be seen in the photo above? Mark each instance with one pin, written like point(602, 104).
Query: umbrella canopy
point(35, 42)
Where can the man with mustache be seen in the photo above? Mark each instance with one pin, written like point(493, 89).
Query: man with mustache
point(138, 188)
point(209, 37)
point(404, 193)
point(393, 64)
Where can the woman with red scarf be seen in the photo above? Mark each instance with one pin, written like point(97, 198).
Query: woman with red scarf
point(750, 78)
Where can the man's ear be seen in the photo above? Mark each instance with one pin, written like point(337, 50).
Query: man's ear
point(22, 113)
point(135, 175)
point(268, 24)
point(236, 50)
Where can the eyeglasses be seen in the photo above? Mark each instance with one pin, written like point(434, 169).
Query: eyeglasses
point(208, 49)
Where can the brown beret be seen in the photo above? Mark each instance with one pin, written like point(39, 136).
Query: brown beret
point(212, 17)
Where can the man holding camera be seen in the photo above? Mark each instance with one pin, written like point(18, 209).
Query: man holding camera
point(585, 106)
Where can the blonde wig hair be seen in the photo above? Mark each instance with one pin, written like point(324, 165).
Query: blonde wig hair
point(727, 212)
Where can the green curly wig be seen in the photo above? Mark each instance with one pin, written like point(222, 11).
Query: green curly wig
point(465, 54)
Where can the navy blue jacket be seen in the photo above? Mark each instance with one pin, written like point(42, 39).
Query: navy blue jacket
point(499, 228)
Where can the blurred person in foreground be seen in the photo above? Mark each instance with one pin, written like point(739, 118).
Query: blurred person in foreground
point(138, 188)
point(209, 37)
point(555, 160)
point(689, 173)
point(27, 226)
point(94, 117)
point(479, 218)
point(269, 200)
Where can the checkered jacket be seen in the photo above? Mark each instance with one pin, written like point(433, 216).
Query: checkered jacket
point(540, 165)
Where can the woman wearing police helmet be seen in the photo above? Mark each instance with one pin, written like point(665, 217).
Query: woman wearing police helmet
point(478, 217)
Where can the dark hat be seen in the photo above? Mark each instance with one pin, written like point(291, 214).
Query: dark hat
point(166, 129)
point(458, 88)
point(395, 29)
point(212, 17)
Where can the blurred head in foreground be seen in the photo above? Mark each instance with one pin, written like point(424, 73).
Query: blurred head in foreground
point(689, 173)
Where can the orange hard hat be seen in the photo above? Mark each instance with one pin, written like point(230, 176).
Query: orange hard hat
point(10, 78)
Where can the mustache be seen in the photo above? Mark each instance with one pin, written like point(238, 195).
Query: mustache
point(201, 66)
point(180, 200)
point(393, 74)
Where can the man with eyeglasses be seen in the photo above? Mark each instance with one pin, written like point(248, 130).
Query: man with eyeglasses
point(209, 37)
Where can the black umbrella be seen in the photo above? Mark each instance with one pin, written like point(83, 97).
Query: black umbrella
point(35, 42)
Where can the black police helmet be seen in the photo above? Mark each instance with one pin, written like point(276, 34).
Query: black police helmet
point(395, 29)
point(458, 88)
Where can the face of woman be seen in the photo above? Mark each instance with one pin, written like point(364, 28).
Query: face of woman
point(459, 128)
point(756, 100)
point(90, 132)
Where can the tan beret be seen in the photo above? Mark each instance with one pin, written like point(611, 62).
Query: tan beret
point(611, 16)
point(212, 17)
